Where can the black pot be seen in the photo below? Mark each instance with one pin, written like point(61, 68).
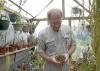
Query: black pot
point(12, 17)
point(4, 24)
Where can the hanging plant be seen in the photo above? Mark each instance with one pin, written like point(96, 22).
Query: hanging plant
point(76, 10)
point(12, 17)
point(4, 23)
point(2, 2)
point(18, 25)
point(33, 27)
point(26, 28)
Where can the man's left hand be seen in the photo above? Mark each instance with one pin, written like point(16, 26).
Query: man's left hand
point(66, 56)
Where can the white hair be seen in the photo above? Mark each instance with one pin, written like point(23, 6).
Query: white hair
point(54, 11)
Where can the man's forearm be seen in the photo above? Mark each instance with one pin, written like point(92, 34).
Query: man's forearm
point(45, 56)
point(72, 49)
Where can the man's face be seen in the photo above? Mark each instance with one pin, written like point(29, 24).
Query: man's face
point(55, 22)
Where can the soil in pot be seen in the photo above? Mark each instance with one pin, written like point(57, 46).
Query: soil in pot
point(60, 58)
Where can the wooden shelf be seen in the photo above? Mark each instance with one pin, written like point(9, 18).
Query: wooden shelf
point(10, 53)
point(16, 58)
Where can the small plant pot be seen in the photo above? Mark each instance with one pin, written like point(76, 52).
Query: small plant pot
point(18, 27)
point(11, 49)
point(2, 50)
point(20, 45)
point(25, 45)
point(4, 24)
point(75, 10)
point(18, 48)
point(12, 17)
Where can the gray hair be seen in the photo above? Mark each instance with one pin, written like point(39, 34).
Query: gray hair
point(54, 11)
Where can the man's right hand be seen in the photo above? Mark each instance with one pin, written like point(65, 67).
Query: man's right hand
point(53, 60)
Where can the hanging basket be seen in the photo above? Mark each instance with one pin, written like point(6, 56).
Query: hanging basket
point(18, 27)
point(4, 24)
point(12, 17)
point(26, 28)
point(2, 2)
point(76, 10)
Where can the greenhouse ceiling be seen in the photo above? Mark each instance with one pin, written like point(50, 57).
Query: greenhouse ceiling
point(39, 8)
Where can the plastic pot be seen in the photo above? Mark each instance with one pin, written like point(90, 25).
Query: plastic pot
point(12, 17)
point(4, 24)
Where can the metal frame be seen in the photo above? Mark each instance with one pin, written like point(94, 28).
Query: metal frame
point(66, 18)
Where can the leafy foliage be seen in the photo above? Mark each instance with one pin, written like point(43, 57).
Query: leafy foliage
point(96, 32)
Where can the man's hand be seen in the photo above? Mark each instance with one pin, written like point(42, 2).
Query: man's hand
point(66, 56)
point(53, 59)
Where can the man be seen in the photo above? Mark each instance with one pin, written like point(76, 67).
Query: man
point(54, 40)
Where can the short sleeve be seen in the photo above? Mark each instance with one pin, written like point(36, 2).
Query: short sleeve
point(40, 44)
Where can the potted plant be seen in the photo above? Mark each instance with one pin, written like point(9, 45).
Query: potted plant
point(2, 50)
point(32, 41)
point(19, 45)
point(26, 28)
point(4, 23)
point(2, 2)
point(18, 25)
point(12, 17)
point(76, 10)
point(12, 47)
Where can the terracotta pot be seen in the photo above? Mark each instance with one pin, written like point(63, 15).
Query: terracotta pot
point(2, 50)
point(20, 45)
point(11, 49)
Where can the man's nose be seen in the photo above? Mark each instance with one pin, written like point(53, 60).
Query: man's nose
point(57, 25)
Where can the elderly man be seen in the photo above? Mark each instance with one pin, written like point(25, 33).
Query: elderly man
point(54, 40)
